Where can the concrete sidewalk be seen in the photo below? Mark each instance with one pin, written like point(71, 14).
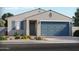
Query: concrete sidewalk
point(47, 40)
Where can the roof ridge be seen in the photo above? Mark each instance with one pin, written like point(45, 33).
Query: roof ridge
point(41, 13)
point(27, 12)
point(36, 14)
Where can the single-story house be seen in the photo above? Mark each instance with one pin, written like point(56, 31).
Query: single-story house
point(40, 22)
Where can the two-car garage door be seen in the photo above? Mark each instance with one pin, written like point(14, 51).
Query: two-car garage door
point(54, 28)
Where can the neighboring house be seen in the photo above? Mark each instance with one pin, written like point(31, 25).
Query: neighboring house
point(74, 28)
point(41, 23)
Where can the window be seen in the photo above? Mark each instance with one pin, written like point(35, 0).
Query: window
point(17, 25)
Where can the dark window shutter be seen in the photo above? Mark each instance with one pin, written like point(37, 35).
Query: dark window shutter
point(13, 25)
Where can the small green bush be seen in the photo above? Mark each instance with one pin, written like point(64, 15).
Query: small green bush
point(76, 33)
point(17, 36)
point(3, 38)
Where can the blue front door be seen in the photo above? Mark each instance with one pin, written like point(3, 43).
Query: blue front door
point(54, 28)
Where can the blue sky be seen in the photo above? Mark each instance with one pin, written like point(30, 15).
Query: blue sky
point(68, 11)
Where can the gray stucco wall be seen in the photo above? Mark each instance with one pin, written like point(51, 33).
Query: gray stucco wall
point(11, 32)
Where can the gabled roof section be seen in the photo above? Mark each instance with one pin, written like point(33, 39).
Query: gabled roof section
point(61, 14)
point(50, 11)
point(25, 14)
point(45, 15)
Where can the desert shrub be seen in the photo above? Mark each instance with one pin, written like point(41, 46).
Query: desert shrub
point(3, 38)
point(38, 38)
point(76, 33)
point(17, 37)
point(29, 37)
point(24, 37)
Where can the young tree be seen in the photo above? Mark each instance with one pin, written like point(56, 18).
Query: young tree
point(76, 18)
point(5, 16)
point(2, 23)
